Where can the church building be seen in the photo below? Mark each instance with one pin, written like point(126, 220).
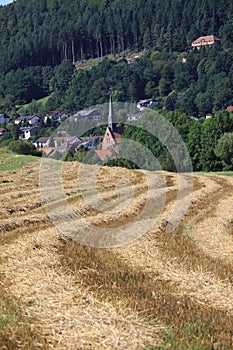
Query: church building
point(112, 137)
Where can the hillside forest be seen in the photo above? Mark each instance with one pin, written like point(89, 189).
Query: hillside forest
point(42, 43)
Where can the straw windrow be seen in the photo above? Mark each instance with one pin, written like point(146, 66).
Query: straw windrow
point(63, 295)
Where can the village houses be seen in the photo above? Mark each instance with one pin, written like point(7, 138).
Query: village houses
point(27, 120)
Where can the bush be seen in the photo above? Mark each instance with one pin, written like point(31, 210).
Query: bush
point(24, 147)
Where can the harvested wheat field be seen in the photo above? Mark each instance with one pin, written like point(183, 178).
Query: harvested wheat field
point(164, 290)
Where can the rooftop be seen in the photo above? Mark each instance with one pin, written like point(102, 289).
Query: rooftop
point(205, 40)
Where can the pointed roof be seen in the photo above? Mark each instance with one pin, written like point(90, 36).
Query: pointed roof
point(110, 114)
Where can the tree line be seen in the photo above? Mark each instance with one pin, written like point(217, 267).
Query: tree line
point(208, 144)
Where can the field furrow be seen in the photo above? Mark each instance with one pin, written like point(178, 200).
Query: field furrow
point(74, 297)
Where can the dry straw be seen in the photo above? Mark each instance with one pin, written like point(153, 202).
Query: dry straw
point(75, 297)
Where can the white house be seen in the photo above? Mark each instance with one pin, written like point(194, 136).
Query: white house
point(27, 132)
point(42, 142)
point(142, 104)
point(55, 116)
point(134, 117)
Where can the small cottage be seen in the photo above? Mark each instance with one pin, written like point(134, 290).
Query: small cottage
point(207, 40)
point(27, 132)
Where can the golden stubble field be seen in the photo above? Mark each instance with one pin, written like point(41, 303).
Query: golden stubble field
point(162, 291)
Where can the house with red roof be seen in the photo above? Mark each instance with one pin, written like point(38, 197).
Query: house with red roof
point(60, 140)
point(229, 109)
point(42, 142)
point(207, 40)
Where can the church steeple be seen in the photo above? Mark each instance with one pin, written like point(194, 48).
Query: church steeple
point(110, 114)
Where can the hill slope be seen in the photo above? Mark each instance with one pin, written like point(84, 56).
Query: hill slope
point(37, 36)
point(61, 294)
point(44, 32)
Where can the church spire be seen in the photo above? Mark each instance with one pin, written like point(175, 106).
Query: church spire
point(110, 114)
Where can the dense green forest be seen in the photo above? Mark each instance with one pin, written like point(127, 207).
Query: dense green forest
point(44, 32)
point(202, 85)
point(37, 36)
